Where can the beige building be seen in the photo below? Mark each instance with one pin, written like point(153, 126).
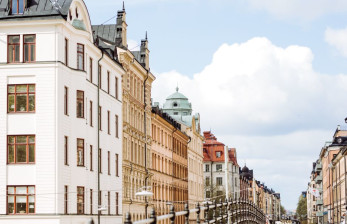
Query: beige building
point(136, 83)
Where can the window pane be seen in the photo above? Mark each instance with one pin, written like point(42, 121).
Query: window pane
point(31, 204)
point(31, 88)
point(10, 190)
point(10, 154)
point(21, 139)
point(29, 38)
point(32, 52)
point(31, 139)
point(21, 102)
point(10, 201)
point(26, 52)
point(21, 190)
point(10, 139)
point(16, 53)
point(31, 102)
point(31, 190)
point(31, 153)
point(21, 6)
point(14, 39)
point(21, 156)
point(21, 88)
point(80, 142)
point(21, 204)
point(10, 89)
point(10, 103)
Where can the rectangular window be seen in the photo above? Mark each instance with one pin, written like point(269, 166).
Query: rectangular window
point(116, 88)
point(17, 7)
point(207, 168)
point(80, 152)
point(91, 157)
point(99, 161)
point(80, 104)
point(91, 113)
point(117, 164)
point(66, 56)
point(66, 150)
point(80, 56)
point(219, 181)
point(100, 77)
point(99, 118)
point(99, 200)
point(219, 167)
point(21, 98)
point(208, 195)
point(108, 163)
point(66, 100)
point(13, 45)
point(20, 199)
point(207, 181)
point(80, 200)
point(66, 198)
point(117, 203)
point(109, 203)
point(91, 70)
point(108, 123)
point(91, 201)
point(21, 149)
point(218, 154)
point(29, 47)
point(108, 81)
point(116, 126)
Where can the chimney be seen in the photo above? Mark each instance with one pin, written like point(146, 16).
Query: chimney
point(144, 52)
point(121, 26)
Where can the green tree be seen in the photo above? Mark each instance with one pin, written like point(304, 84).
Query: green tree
point(301, 210)
point(283, 210)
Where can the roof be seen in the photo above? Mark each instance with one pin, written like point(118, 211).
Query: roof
point(177, 95)
point(107, 32)
point(36, 8)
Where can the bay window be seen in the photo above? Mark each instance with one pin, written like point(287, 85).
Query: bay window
point(13, 45)
point(20, 149)
point(20, 200)
point(21, 98)
point(29, 47)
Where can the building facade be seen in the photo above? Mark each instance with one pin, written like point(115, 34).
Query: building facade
point(61, 148)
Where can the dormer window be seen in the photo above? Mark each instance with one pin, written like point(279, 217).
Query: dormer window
point(175, 104)
point(218, 154)
point(17, 7)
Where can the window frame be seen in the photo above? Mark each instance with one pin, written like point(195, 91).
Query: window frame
point(66, 150)
point(83, 155)
point(8, 49)
point(108, 163)
point(100, 160)
point(117, 203)
point(91, 69)
point(91, 157)
point(217, 181)
point(17, 12)
point(14, 199)
point(117, 165)
point(100, 76)
point(91, 201)
point(15, 98)
point(66, 100)
point(108, 82)
point(66, 55)
point(83, 201)
point(116, 88)
point(91, 113)
point(30, 44)
point(79, 100)
point(79, 53)
point(27, 144)
point(100, 117)
point(66, 199)
point(116, 126)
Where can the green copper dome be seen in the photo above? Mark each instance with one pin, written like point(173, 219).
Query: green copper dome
point(177, 104)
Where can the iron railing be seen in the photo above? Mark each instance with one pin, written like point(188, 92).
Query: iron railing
point(218, 211)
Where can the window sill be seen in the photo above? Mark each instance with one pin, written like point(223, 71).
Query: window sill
point(16, 164)
point(22, 112)
point(81, 166)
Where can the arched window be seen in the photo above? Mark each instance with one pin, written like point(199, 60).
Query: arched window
point(17, 7)
point(175, 104)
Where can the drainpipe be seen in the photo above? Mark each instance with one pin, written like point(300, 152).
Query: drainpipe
point(145, 131)
point(98, 104)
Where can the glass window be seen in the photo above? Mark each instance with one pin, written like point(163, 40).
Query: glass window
point(80, 200)
point(80, 104)
point(108, 123)
point(207, 181)
point(208, 195)
point(80, 56)
point(29, 47)
point(99, 162)
point(117, 164)
point(66, 150)
point(91, 70)
point(108, 163)
point(218, 154)
point(91, 113)
point(20, 200)
point(108, 81)
point(21, 98)
point(116, 126)
point(91, 201)
point(13, 45)
point(207, 168)
point(99, 76)
point(80, 152)
point(66, 56)
point(66, 100)
point(21, 149)
point(91, 157)
point(99, 118)
point(66, 199)
point(117, 203)
point(219, 167)
point(17, 7)
point(219, 181)
point(116, 88)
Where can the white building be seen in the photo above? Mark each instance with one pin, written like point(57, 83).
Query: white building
point(60, 135)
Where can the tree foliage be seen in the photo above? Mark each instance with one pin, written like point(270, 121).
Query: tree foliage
point(283, 210)
point(301, 210)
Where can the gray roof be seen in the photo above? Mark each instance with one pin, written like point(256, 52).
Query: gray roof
point(107, 32)
point(36, 8)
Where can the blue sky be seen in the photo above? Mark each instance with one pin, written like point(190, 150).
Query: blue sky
point(267, 77)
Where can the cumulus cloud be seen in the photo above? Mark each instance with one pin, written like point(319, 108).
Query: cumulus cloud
point(299, 10)
point(269, 103)
point(337, 38)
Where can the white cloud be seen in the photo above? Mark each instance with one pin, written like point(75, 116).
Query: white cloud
point(306, 10)
point(269, 103)
point(338, 39)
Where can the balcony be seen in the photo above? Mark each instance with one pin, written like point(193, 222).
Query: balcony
point(319, 214)
point(318, 179)
point(319, 202)
point(318, 167)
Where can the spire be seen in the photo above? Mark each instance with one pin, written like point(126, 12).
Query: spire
point(146, 36)
point(123, 6)
point(177, 88)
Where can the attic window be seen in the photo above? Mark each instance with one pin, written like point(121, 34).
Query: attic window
point(17, 7)
point(175, 104)
point(218, 154)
